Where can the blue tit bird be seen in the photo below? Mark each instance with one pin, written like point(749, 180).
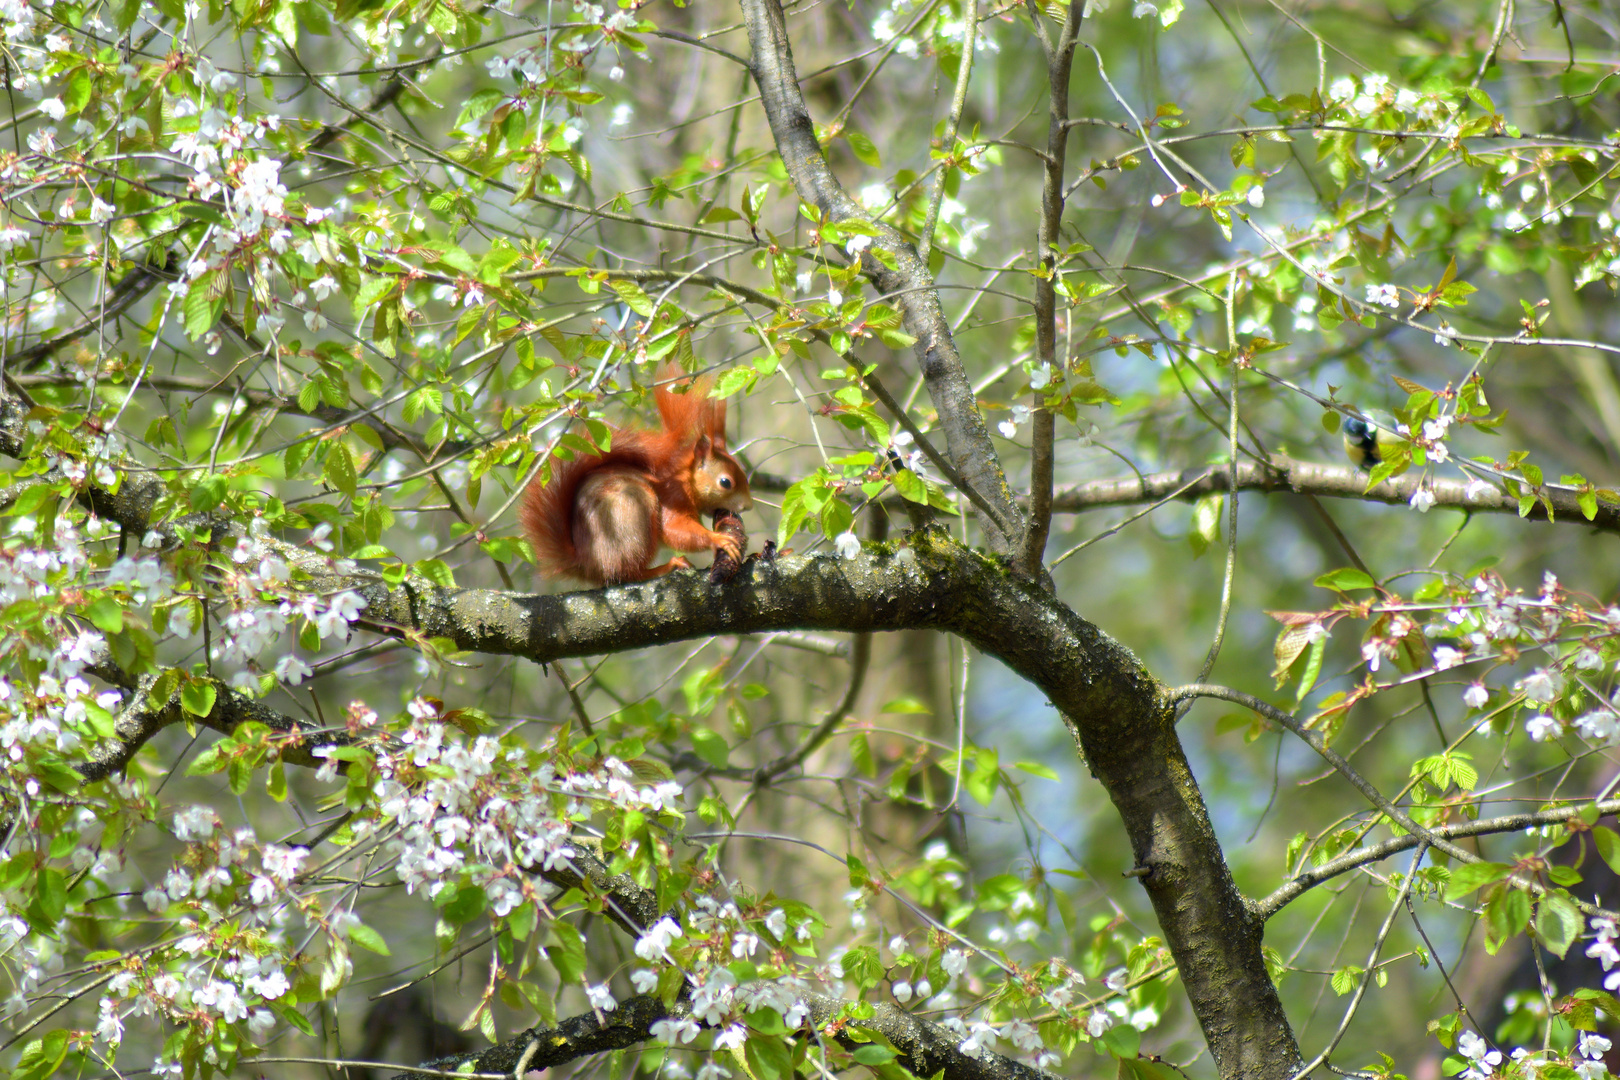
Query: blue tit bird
point(1370, 437)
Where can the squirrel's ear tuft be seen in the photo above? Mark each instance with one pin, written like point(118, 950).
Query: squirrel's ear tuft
point(716, 408)
point(704, 446)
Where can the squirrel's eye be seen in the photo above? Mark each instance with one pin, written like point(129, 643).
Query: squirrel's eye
point(725, 482)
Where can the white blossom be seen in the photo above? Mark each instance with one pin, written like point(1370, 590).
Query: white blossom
point(1542, 686)
point(195, 823)
point(672, 1030)
point(1384, 295)
point(654, 944)
point(1542, 728)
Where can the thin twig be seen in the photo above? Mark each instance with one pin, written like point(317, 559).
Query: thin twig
point(970, 30)
point(1314, 740)
point(1371, 967)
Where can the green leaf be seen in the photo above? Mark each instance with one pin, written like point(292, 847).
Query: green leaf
point(1604, 1000)
point(982, 782)
point(367, 938)
point(50, 895)
point(1459, 772)
point(424, 399)
point(634, 297)
point(738, 378)
point(466, 905)
point(862, 966)
point(436, 571)
point(76, 95)
point(285, 22)
point(41, 1057)
point(999, 892)
point(910, 486)
point(860, 752)
point(1344, 579)
point(864, 149)
point(906, 705)
point(1564, 875)
point(197, 697)
point(275, 783)
point(1206, 523)
point(768, 1058)
point(455, 257)
point(340, 471)
point(1508, 913)
point(567, 951)
point(1122, 1040)
point(204, 303)
point(106, 614)
point(709, 746)
point(836, 518)
point(1608, 846)
point(795, 509)
point(372, 290)
point(208, 492)
point(1558, 923)
point(1035, 768)
point(1470, 876)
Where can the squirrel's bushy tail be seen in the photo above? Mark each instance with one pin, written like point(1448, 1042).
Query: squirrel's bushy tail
point(546, 511)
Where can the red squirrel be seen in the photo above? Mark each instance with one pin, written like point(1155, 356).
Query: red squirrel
point(603, 517)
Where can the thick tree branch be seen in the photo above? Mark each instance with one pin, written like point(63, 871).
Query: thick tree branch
point(1113, 706)
point(967, 439)
point(574, 1038)
point(143, 716)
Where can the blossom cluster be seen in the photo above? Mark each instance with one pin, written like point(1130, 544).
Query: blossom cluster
point(211, 971)
point(1482, 1061)
point(492, 811)
point(1485, 621)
